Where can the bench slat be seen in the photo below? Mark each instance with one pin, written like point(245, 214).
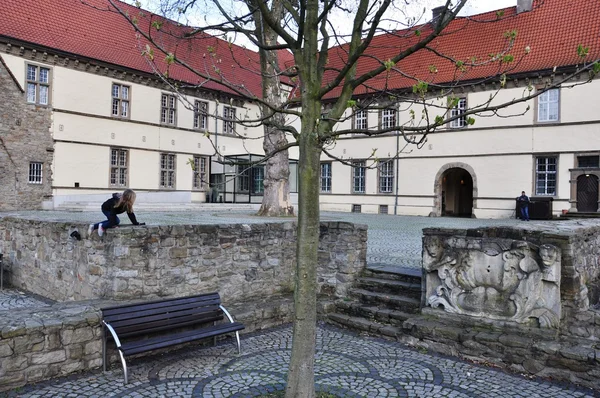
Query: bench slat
point(161, 325)
point(204, 300)
point(136, 347)
point(143, 313)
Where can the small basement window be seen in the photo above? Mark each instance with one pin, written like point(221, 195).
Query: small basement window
point(383, 209)
point(356, 208)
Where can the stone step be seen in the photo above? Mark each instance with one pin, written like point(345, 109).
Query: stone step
point(361, 324)
point(579, 215)
point(413, 276)
point(382, 285)
point(381, 315)
point(386, 300)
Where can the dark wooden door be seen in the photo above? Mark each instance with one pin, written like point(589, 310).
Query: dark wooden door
point(587, 193)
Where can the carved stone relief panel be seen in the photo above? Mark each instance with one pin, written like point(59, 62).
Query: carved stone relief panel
point(493, 278)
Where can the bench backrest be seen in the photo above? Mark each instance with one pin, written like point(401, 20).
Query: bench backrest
point(155, 316)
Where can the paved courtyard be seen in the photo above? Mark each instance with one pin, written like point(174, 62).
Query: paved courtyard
point(347, 365)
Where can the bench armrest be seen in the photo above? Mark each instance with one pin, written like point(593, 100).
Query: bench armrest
point(227, 314)
point(114, 334)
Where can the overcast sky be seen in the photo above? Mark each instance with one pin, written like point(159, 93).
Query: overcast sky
point(341, 21)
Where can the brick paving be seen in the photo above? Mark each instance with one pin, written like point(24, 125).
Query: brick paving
point(347, 365)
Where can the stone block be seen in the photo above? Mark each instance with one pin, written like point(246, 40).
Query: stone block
point(49, 357)
point(5, 350)
point(13, 363)
point(72, 336)
point(512, 340)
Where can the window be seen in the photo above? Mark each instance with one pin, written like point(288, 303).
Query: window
point(228, 120)
point(588, 162)
point(386, 176)
point(459, 110)
point(167, 170)
point(199, 173)
point(361, 119)
point(358, 176)
point(388, 118)
point(38, 85)
point(243, 172)
point(356, 208)
point(258, 178)
point(35, 172)
point(200, 115)
point(548, 106)
point(326, 177)
point(383, 209)
point(168, 109)
point(120, 100)
point(545, 175)
point(118, 167)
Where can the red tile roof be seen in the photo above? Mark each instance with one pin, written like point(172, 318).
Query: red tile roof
point(90, 30)
point(552, 31)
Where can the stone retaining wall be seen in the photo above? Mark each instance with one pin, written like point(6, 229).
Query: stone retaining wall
point(240, 261)
point(251, 266)
point(522, 298)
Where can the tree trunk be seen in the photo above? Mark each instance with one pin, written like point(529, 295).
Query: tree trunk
point(276, 194)
point(301, 378)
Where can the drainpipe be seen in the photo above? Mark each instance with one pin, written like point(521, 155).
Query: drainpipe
point(397, 170)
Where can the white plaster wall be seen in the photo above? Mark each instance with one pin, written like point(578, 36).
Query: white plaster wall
point(146, 176)
point(85, 164)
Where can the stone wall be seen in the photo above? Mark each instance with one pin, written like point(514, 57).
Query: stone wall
point(250, 265)
point(239, 261)
point(24, 137)
point(515, 297)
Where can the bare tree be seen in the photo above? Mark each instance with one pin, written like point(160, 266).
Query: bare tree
point(338, 73)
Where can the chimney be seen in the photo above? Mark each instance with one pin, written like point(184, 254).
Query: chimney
point(524, 6)
point(437, 11)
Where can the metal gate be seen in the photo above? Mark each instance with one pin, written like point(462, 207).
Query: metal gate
point(587, 193)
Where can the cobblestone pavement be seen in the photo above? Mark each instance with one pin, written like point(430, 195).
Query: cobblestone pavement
point(12, 299)
point(347, 365)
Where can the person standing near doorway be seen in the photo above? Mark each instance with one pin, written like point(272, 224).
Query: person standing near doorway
point(523, 202)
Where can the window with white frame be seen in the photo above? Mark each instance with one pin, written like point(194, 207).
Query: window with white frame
point(228, 120)
point(38, 85)
point(459, 112)
point(388, 118)
point(200, 181)
point(168, 109)
point(361, 119)
point(35, 172)
point(326, 177)
point(359, 171)
point(386, 176)
point(201, 115)
point(120, 100)
point(258, 179)
point(167, 170)
point(545, 175)
point(548, 106)
point(118, 167)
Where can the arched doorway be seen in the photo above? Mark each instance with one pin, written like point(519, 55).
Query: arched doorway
point(587, 193)
point(457, 193)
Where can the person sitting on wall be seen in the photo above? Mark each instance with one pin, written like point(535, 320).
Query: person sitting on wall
point(119, 203)
point(523, 202)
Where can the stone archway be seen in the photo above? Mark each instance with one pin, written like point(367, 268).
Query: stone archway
point(455, 171)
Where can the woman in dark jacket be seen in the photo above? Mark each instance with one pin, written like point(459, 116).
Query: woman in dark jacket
point(116, 205)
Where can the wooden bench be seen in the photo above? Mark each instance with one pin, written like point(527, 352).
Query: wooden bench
point(137, 328)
